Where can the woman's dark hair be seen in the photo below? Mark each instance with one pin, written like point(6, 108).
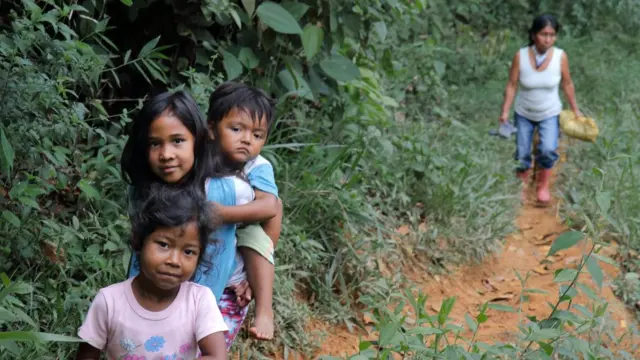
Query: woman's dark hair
point(171, 206)
point(540, 23)
point(135, 156)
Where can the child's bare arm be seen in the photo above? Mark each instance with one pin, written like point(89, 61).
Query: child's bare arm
point(273, 226)
point(264, 207)
point(87, 352)
point(213, 347)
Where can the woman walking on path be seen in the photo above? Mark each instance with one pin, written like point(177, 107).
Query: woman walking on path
point(536, 72)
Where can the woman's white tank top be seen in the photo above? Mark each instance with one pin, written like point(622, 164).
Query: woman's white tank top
point(538, 96)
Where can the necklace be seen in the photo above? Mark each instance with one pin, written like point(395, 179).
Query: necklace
point(539, 57)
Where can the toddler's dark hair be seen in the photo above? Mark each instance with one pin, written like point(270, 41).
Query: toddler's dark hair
point(232, 95)
point(169, 206)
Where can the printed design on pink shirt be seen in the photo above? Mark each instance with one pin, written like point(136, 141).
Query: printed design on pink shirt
point(186, 348)
point(133, 357)
point(128, 345)
point(154, 344)
point(171, 357)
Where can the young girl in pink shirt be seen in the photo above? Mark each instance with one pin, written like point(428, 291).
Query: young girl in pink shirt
point(160, 313)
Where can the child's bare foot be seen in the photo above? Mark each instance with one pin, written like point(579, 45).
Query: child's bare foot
point(262, 328)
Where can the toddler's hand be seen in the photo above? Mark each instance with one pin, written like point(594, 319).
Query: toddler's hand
point(243, 293)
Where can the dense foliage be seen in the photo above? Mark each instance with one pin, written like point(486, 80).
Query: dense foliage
point(382, 116)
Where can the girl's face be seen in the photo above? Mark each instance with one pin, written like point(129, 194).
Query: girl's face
point(169, 255)
point(241, 138)
point(545, 38)
point(171, 148)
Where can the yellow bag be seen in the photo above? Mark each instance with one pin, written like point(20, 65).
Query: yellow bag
point(583, 128)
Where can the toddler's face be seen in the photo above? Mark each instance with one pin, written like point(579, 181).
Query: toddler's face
point(171, 148)
point(241, 138)
point(169, 256)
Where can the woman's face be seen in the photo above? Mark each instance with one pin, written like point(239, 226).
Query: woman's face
point(545, 38)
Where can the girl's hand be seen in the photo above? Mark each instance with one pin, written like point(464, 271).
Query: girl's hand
point(244, 294)
point(578, 113)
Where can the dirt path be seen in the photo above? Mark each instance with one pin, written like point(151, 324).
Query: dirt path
point(495, 279)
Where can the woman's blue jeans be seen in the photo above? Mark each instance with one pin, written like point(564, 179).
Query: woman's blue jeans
point(549, 132)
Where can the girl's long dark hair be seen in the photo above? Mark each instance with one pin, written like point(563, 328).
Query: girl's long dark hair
point(539, 23)
point(135, 156)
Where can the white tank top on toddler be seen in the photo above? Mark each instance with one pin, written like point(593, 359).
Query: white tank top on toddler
point(538, 92)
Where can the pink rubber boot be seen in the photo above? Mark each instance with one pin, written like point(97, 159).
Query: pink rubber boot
point(543, 186)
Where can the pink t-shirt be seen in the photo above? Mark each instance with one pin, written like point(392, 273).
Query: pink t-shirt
point(119, 326)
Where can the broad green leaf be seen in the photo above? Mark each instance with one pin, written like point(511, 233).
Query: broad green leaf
point(535, 291)
point(154, 70)
point(359, 357)
point(312, 38)
point(27, 201)
point(364, 345)
point(550, 323)
point(425, 331)
point(316, 82)
point(606, 260)
point(11, 347)
point(127, 2)
point(472, 324)
point(381, 29)
point(249, 6)
point(595, 271)
point(22, 288)
point(482, 318)
point(387, 333)
point(7, 154)
point(544, 334)
point(236, 18)
point(148, 47)
point(36, 336)
point(277, 18)
point(6, 315)
point(12, 218)
point(445, 309)
point(603, 199)
point(500, 307)
point(293, 81)
point(296, 8)
point(548, 349)
point(340, 68)
point(21, 315)
point(565, 275)
point(75, 222)
point(111, 246)
point(232, 65)
point(565, 241)
point(570, 292)
point(127, 56)
point(88, 189)
point(248, 58)
point(440, 67)
point(566, 316)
